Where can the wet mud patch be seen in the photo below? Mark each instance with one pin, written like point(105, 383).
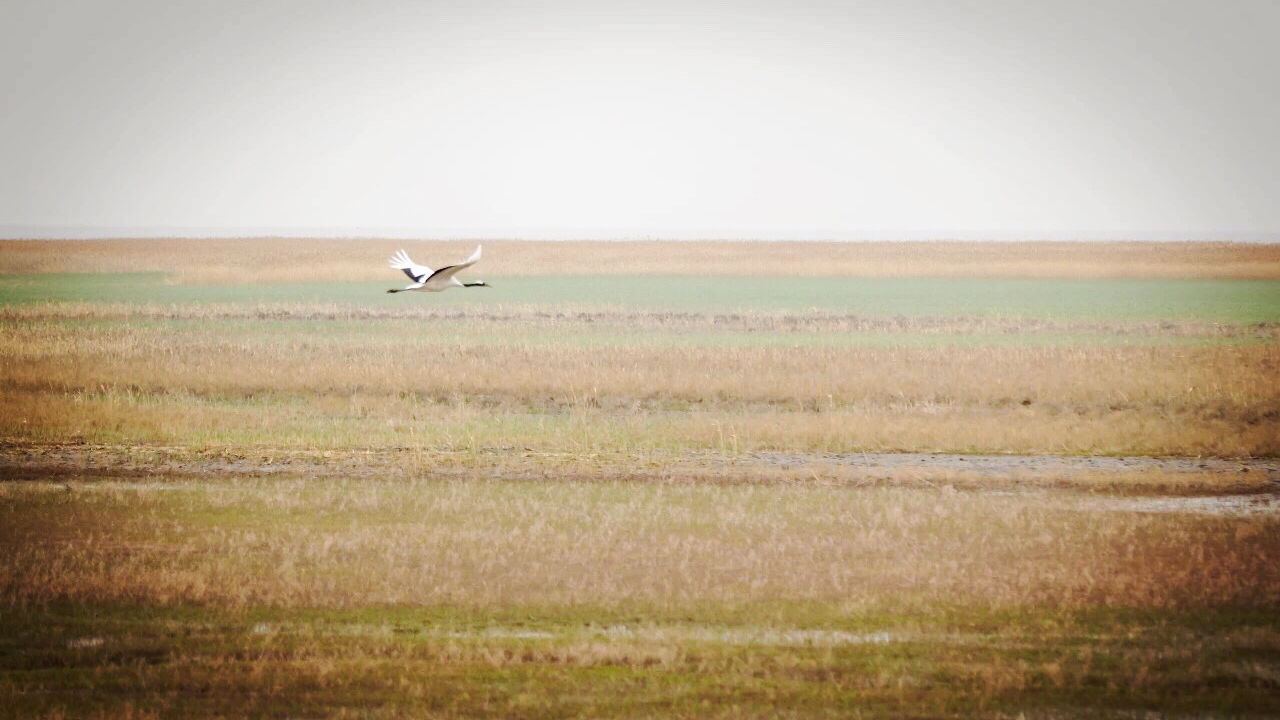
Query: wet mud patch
point(1034, 465)
point(1176, 477)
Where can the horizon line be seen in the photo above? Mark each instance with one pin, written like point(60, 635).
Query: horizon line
point(107, 232)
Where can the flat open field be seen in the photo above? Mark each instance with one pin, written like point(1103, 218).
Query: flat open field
point(640, 480)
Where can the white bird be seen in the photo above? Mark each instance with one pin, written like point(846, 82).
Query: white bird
point(424, 279)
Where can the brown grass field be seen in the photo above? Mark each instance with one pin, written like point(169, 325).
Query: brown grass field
point(292, 260)
point(518, 507)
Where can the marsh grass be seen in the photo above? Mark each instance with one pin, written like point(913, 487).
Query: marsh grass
point(291, 377)
point(171, 597)
point(392, 663)
point(347, 544)
point(227, 491)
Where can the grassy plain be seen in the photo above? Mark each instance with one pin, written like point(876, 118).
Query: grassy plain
point(241, 480)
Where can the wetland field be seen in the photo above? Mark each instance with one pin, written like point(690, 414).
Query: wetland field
point(695, 479)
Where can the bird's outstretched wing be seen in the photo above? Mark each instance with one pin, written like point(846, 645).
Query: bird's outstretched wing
point(445, 274)
point(416, 272)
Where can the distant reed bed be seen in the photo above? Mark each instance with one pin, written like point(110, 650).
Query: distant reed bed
point(269, 260)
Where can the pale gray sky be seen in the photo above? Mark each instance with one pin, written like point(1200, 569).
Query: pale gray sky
point(768, 119)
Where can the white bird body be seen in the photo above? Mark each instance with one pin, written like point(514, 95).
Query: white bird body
point(433, 281)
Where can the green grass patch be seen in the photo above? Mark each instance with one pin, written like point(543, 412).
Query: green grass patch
point(454, 662)
point(1233, 301)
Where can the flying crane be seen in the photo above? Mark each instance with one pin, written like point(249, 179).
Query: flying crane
point(424, 279)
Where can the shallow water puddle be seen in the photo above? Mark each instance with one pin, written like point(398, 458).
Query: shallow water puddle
point(1267, 504)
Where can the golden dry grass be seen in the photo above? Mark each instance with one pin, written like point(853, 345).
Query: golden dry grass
point(347, 544)
point(596, 383)
point(305, 260)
